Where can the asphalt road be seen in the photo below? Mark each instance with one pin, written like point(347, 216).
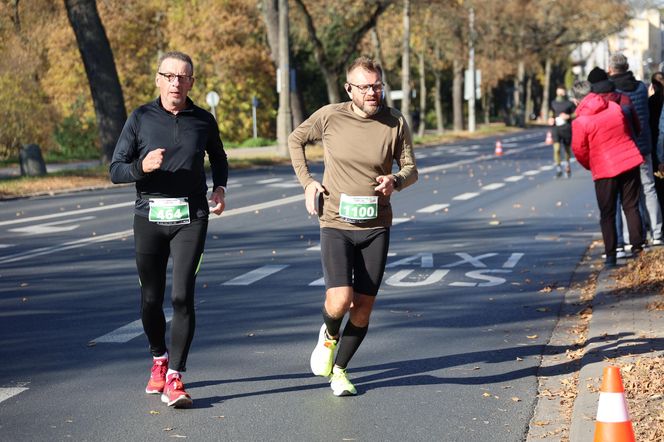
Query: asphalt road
point(481, 251)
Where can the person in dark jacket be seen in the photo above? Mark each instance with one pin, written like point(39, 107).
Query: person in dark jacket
point(562, 110)
point(602, 143)
point(162, 149)
point(625, 82)
point(655, 103)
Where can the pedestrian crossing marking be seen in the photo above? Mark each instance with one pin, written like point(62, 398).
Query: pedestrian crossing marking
point(128, 332)
point(433, 208)
point(255, 275)
point(465, 196)
point(493, 186)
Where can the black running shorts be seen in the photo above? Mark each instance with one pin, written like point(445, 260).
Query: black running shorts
point(354, 258)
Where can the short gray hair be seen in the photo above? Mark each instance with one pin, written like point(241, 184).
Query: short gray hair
point(581, 89)
point(178, 56)
point(618, 63)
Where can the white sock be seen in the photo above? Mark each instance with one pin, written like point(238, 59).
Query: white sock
point(171, 372)
point(165, 355)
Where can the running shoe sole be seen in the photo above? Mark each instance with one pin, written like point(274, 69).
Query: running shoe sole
point(180, 402)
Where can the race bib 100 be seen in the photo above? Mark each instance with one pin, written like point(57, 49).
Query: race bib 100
point(358, 209)
point(169, 211)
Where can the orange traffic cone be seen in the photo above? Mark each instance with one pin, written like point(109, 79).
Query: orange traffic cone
point(499, 148)
point(613, 423)
point(549, 138)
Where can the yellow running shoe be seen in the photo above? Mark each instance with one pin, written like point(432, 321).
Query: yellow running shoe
point(340, 384)
point(322, 358)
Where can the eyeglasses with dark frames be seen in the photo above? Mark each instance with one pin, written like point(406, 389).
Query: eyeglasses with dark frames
point(364, 88)
point(181, 78)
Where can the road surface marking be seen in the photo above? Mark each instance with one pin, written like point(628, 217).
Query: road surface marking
point(433, 208)
point(66, 213)
point(465, 196)
point(270, 181)
point(6, 393)
point(128, 332)
point(127, 233)
point(514, 179)
point(52, 227)
point(255, 275)
point(493, 186)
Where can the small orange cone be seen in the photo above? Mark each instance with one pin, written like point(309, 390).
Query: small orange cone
point(613, 423)
point(549, 138)
point(499, 148)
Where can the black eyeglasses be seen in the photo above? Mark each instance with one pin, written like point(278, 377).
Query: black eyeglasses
point(364, 88)
point(182, 78)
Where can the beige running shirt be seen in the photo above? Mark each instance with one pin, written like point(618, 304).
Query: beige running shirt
point(356, 151)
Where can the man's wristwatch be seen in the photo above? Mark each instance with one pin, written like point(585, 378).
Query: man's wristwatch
point(397, 182)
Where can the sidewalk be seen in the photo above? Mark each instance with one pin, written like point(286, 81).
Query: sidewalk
point(620, 326)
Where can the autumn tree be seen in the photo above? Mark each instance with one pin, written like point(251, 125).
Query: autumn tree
point(334, 30)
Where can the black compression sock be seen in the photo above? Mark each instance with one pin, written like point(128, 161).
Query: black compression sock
point(333, 325)
point(350, 342)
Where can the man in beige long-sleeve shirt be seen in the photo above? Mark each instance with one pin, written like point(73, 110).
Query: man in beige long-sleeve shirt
point(362, 139)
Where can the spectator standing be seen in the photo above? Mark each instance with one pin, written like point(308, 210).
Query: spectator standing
point(625, 82)
point(602, 143)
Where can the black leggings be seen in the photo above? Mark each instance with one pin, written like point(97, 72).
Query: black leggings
point(154, 243)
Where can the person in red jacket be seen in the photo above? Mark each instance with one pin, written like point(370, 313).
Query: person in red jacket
point(602, 143)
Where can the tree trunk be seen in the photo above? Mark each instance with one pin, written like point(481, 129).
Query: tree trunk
point(405, 65)
point(284, 116)
point(486, 106)
point(270, 10)
point(101, 72)
point(423, 94)
point(529, 98)
point(438, 102)
point(547, 87)
point(379, 58)
point(457, 95)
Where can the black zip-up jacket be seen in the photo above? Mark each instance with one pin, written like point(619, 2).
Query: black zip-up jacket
point(186, 137)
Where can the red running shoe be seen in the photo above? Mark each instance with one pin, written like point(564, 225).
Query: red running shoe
point(174, 394)
point(157, 376)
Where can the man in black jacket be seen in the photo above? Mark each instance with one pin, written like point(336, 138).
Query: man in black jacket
point(625, 83)
point(162, 149)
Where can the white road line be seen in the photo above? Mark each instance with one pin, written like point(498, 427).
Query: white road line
point(284, 185)
point(493, 186)
point(4, 246)
point(547, 168)
point(6, 393)
point(128, 332)
point(514, 179)
point(532, 172)
point(255, 275)
point(433, 208)
point(65, 246)
point(314, 248)
point(317, 283)
point(126, 233)
point(465, 196)
point(52, 227)
point(396, 221)
point(269, 181)
point(66, 213)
